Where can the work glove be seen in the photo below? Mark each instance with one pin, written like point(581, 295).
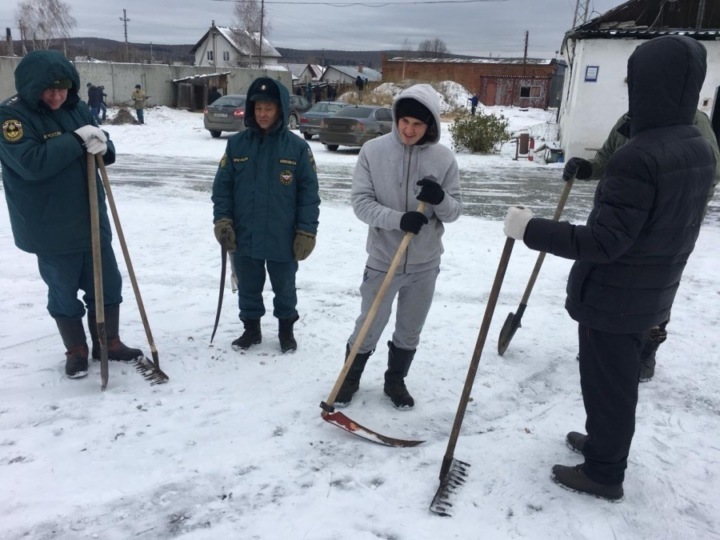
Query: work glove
point(431, 191)
point(413, 221)
point(516, 221)
point(225, 234)
point(303, 245)
point(93, 139)
point(577, 167)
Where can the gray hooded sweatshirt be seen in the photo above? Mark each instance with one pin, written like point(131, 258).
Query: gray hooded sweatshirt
point(385, 187)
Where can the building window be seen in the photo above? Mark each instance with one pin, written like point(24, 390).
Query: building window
point(226, 56)
point(210, 56)
point(530, 91)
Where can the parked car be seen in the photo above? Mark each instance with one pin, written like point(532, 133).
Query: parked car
point(355, 125)
point(225, 114)
point(298, 106)
point(310, 121)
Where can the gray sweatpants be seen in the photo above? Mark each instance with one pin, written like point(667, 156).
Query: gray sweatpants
point(414, 296)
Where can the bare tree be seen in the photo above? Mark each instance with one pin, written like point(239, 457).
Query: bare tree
point(252, 24)
point(406, 49)
point(432, 48)
point(43, 21)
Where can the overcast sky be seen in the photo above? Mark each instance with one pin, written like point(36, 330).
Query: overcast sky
point(473, 27)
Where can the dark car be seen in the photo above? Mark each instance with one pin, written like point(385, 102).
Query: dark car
point(355, 125)
point(310, 121)
point(298, 106)
point(225, 114)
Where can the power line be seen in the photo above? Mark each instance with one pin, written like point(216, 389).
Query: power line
point(369, 4)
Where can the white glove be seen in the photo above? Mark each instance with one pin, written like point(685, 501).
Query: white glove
point(516, 221)
point(94, 139)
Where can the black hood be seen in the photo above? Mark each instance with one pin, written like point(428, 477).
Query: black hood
point(260, 86)
point(665, 76)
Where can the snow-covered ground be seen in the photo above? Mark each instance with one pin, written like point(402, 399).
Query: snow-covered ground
point(234, 445)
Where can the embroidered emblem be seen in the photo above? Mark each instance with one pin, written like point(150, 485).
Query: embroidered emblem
point(223, 161)
point(286, 177)
point(240, 159)
point(12, 130)
point(52, 134)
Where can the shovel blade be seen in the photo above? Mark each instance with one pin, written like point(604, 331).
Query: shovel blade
point(512, 323)
point(449, 483)
point(338, 419)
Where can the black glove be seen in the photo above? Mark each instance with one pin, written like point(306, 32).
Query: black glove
point(578, 167)
point(431, 191)
point(413, 222)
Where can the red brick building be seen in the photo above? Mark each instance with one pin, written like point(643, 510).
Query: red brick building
point(520, 82)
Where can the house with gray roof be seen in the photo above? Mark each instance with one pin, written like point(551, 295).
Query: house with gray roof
point(222, 46)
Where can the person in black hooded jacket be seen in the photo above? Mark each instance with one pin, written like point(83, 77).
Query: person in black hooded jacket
point(631, 254)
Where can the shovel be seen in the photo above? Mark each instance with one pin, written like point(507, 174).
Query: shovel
point(337, 418)
point(512, 322)
point(453, 471)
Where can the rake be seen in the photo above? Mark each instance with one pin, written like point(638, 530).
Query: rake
point(453, 471)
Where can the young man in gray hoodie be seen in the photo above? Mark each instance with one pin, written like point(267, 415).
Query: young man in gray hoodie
point(392, 174)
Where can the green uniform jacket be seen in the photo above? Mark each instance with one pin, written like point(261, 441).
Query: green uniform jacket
point(267, 184)
point(44, 167)
point(616, 139)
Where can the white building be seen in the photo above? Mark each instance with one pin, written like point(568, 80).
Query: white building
point(222, 46)
point(595, 89)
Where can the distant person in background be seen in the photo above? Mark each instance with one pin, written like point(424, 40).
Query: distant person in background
point(95, 102)
point(473, 104)
point(213, 95)
point(594, 169)
point(309, 92)
point(103, 105)
point(318, 93)
point(331, 92)
point(139, 98)
point(360, 85)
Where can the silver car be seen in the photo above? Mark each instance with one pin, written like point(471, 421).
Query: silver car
point(355, 125)
point(225, 114)
point(310, 121)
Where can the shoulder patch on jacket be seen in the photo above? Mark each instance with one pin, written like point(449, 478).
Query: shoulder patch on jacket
point(12, 130)
point(223, 161)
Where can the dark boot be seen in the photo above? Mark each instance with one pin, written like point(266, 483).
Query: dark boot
point(351, 384)
point(399, 361)
point(576, 441)
point(285, 334)
point(647, 357)
point(116, 349)
point(73, 336)
point(251, 336)
point(575, 479)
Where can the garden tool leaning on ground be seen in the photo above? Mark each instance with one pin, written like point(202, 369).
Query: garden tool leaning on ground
point(150, 369)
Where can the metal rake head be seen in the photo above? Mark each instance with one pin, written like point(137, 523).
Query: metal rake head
point(449, 483)
point(151, 372)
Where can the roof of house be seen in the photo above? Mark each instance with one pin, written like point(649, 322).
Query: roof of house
point(243, 41)
point(645, 19)
point(367, 73)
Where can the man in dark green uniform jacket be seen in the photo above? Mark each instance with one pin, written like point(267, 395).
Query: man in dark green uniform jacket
point(46, 134)
point(266, 208)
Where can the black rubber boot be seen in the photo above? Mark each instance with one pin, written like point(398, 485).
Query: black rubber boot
point(647, 357)
point(251, 336)
point(116, 349)
point(399, 361)
point(285, 334)
point(73, 336)
point(351, 384)
point(576, 441)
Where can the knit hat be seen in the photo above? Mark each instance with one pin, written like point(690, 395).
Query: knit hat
point(413, 108)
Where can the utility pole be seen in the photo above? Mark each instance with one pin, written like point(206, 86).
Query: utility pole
point(581, 12)
point(527, 36)
point(700, 15)
point(262, 16)
point(125, 20)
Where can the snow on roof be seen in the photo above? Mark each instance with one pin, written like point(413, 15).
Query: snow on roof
point(492, 60)
point(243, 41)
point(367, 73)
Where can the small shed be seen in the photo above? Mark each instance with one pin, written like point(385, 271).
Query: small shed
point(192, 92)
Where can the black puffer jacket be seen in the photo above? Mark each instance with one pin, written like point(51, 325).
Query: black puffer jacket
point(649, 205)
